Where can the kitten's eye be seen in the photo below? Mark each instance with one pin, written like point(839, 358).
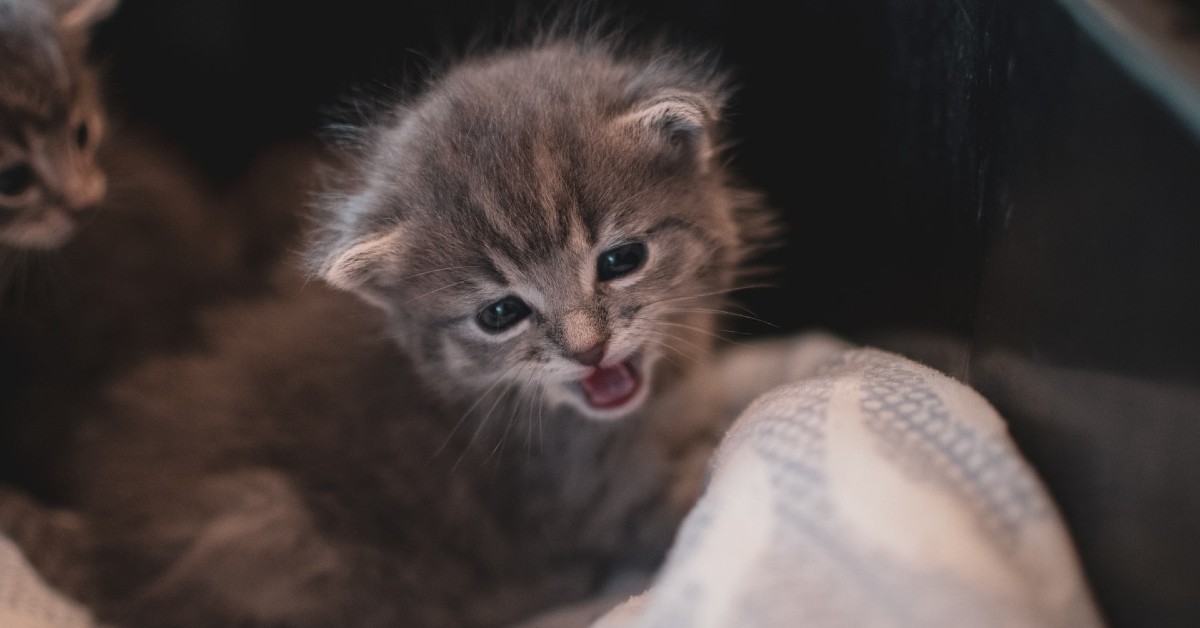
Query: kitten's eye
point(15, 179)
point(502, 314)
point(620, 261)
point(82, 135)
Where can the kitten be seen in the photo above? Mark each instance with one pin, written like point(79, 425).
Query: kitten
point(50, 120)
point(50, 127)
point(565, 206)
point(182, 246)
point(547, 235)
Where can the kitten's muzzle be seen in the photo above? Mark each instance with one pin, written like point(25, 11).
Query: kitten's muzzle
point(83, 197)
point(591, 356)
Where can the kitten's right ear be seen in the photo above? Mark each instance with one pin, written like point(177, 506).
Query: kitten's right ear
point(682, 121)
point(360, 264)
point(82, 14)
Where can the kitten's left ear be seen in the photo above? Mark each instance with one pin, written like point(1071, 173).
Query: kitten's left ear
point(683, 122)
point(82, 14)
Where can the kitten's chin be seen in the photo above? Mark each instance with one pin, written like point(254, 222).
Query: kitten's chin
point(611, 392)
point(51, 231)
point(42, 238)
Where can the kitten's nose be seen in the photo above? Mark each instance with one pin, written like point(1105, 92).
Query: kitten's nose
point(584, 337)
point(83, 195)
point(592, 356)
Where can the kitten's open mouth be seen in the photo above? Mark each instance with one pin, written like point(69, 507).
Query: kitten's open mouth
point(612, 387)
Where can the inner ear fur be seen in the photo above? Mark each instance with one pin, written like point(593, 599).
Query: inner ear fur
point(362, 264)
point(682, 121)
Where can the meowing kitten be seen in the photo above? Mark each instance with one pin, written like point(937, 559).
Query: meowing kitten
point(548, 234)
point(50, 120)
point(562, 206)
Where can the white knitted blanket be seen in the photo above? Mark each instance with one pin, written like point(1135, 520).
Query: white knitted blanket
point(873, 493)
point(877, 492)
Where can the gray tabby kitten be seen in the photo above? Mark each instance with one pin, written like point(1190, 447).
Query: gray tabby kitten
point(547, 235)
point(50, 120)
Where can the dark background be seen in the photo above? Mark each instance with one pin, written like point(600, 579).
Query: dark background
point(974, 182)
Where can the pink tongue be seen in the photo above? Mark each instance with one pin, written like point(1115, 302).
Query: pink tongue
point(610, 386)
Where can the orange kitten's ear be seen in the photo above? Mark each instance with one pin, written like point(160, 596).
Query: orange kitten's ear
point(82, 14)
point(682, 121)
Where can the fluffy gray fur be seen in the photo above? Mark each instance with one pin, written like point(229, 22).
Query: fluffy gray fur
point(510, 177)
point(303, 471)
point(50, 120)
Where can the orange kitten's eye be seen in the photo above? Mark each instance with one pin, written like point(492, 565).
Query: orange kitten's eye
point(15, 179)
point(82, 135)
point(620, 261)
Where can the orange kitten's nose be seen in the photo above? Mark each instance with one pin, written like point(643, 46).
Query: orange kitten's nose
point(592, 356)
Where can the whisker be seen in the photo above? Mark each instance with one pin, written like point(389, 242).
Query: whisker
point(529, 439)
point(483, 423)
point(437, 290)
point(479, 428)
point(541, 422)
point(534, 405)
point(457, 425)
point(512, 417)
point(436, 270)
point(704, 331)
point(665, 356)
point(540, 405)
point(669, 346)
point(724, 313)
point(703, 350)
point(710, 294)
